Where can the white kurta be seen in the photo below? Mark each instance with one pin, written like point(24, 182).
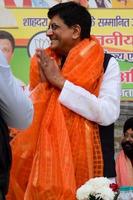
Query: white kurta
point(103, 109)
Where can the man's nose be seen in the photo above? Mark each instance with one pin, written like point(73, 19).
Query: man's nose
point(49, 32)
point(128, 138)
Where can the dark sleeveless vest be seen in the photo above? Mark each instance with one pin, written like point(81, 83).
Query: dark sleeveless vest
point(5, 156)
point(107, 139)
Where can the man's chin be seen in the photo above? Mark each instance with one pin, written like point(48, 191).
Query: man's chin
point(53, 47)
point(56, 49)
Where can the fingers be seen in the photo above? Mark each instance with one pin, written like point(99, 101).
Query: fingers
point(42, 75)
point(42, 57)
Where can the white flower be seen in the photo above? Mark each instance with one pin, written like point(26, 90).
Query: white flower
point(84, 191)
point(99, 182)
point(98, 187)
point(105, 193)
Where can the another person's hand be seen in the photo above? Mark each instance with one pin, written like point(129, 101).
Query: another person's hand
point(50, 69)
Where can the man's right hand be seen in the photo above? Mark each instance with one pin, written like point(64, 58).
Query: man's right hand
point(50, 69)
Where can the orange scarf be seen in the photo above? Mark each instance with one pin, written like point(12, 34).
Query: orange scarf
point(124, 170)
point(61, 150)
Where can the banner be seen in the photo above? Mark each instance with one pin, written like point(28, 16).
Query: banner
point(86, 3)
point(113, 28)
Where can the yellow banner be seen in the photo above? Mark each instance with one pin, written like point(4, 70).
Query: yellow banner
point(24, 23)
point(113, 27)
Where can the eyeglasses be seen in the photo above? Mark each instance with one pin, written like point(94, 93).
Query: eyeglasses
point(53, 27)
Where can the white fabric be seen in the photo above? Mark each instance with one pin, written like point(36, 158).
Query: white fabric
point(24, 87)
point(103, 109)
point(15, 106)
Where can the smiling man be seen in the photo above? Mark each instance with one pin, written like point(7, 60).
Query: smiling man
point(62, 149)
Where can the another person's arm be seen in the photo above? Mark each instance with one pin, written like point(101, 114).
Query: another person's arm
point(16, 108)
point(103, 109)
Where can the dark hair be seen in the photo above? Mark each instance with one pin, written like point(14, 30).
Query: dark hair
point(8, 36)
point(73, 13)
point(128, 124)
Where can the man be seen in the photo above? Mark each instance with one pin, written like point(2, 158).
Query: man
point(24, 117)
point(16, 110)
point(124, 160)
point(59, 140)
point(7, 45)
point(103, 109)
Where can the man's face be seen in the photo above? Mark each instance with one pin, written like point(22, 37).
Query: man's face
point(6, 47)
point(61, 36)
point(127, 143)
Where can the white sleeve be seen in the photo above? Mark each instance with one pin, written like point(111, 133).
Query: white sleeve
point(103, 109)
point(15, 106)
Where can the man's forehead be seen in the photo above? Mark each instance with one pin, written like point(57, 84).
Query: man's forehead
point(5, 41)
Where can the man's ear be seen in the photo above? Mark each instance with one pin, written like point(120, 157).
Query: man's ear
point(76, 31)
